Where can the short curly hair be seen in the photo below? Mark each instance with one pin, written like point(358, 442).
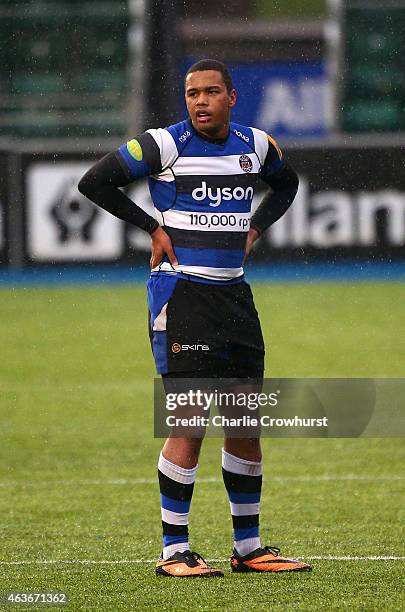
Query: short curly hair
point(210, 64)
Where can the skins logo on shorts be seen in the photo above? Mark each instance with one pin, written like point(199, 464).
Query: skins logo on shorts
point(245, 163)
point(135, 149)
point(176, 347)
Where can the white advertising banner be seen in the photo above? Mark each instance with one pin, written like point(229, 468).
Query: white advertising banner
point(62, 224)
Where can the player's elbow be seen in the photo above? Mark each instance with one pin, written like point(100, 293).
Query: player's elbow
point(288, 188)
point(293, 181)
point(105, 173)
point(286, 180)
point(88, 184)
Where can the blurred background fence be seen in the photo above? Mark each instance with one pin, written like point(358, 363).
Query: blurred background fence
point(79, 77)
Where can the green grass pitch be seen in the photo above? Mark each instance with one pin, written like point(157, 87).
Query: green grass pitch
point(78, 460)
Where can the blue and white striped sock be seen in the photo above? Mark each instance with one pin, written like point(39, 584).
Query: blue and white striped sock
point(176, 490)
point(243, 481)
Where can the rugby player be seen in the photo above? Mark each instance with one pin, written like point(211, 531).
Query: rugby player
point(202, 175)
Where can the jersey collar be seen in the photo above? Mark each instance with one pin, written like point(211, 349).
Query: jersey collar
point(219, 141)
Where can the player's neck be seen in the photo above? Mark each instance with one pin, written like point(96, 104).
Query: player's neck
point(217, 136)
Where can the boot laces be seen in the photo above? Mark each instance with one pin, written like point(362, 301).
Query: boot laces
point(193, 558)
point(273, 550)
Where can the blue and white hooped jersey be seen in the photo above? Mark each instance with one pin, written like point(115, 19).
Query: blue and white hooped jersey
point(202, 192)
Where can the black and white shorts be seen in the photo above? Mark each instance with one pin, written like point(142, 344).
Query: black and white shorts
point(199, 329)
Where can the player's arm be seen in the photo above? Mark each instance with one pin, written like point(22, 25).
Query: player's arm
point(283, 182)
point(102, 182)
point(101, 185)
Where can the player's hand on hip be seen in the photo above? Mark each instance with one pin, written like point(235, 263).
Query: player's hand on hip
point(161, 245)
point(251, 238)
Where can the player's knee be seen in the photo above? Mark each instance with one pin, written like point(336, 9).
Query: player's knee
point(244, 448)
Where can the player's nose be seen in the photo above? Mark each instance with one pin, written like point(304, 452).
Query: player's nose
point(202, 100)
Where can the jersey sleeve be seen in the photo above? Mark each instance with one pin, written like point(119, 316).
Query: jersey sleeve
point(140, 157)
point(273, 161)
point(269, 154)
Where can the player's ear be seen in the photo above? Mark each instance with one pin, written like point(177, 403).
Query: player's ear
point(232, 98)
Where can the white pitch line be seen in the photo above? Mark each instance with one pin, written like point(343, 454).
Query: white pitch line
point(146, 561)
point(355, 558)
point(150, 481)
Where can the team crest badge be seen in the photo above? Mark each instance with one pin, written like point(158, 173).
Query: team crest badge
point(245, 163)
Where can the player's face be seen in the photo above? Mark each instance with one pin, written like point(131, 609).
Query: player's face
point(209, 103)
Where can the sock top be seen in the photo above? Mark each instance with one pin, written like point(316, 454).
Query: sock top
point(237, 465)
